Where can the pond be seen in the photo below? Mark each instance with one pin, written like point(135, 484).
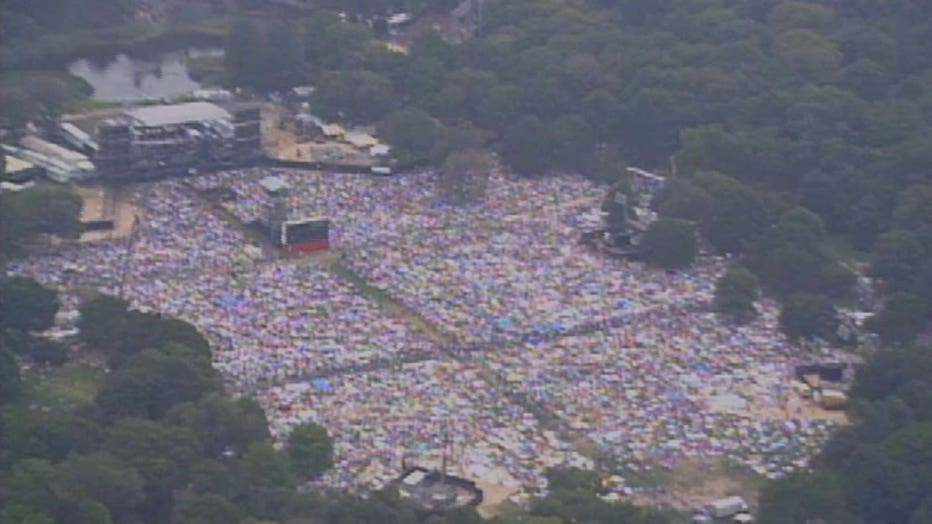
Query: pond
point(124, 77)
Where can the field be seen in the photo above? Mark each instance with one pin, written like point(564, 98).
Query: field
point(66, 387)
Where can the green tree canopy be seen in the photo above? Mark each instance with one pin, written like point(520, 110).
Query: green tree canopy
point(108, 325)
point(807, 315)
point(735, 293)
point(311, 450)
point(102, 478)
point(464, 176)
point(161, 454)
point(10, 382)
point(26, 305)
point(902, 318)
point(208, 509)
point(52, 435)
point(412, 134)
point(669, 243)
point(153, 381)
point(222, 424)
point(24, 215)
point(804, 497)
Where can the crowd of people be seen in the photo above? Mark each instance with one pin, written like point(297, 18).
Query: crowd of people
point(423, 410)
point(673, 382)
point(624, 355)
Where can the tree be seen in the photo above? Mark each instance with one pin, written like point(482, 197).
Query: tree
point(25, 305)
point(208, 509)
point(412, 134)
point(102, 478)
point(897, 257)
point(106, 324)
point(243, 52)
point(48, 352)
point(10, 383)
point(800, 227)
point(153, 381)
point(222, 424)
point(808, 54)
point(573, 139)
point(462, 137)
point(607, 165)
point(526, 146)
point(311, 449)
point(735, 294)
point(101, 322)
point(283, 61)
point(359, 96)
point(17, 514)
point(464, 176)
point(682, 198)
point(51, 435)
point(738, 212)
point(807, 315)
point(902, 318)
point(213, 476)
point(804, 497)
point(29, 483)
point(267, 481)
point(161, 454)
point(669, 243)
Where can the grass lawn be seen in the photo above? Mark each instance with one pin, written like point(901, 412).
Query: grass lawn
point(66, 387)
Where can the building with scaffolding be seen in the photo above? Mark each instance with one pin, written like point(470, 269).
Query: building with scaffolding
point(163, 140)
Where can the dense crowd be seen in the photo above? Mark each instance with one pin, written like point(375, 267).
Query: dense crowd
point(421, 410)
point(627, 356)
point(672, 382)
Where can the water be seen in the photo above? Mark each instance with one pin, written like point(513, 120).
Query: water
point(132, 78)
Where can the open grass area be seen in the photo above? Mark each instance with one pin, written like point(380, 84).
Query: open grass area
point(207, 70)
point(66, 387)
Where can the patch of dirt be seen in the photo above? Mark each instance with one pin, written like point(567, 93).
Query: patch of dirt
point(102, 203)
point(693, 483)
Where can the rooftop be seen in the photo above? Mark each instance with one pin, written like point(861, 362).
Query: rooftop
point(15, 165)
point(154, 116)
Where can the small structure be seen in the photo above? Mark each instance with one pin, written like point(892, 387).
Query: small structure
point(332, 130)
point(360, 140)
point(380, 150)
point(398, 20)
point(825, 371)
point(78, 139)
point(303, 92)
point(305, 235)
point(19, 171)
point(274, 185)
point(436, 492)
point(76, 161)
point(53, 168)
point(212, 95)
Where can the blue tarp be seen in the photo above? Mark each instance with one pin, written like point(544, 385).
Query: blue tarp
point(230, 301)
point(322, 384)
